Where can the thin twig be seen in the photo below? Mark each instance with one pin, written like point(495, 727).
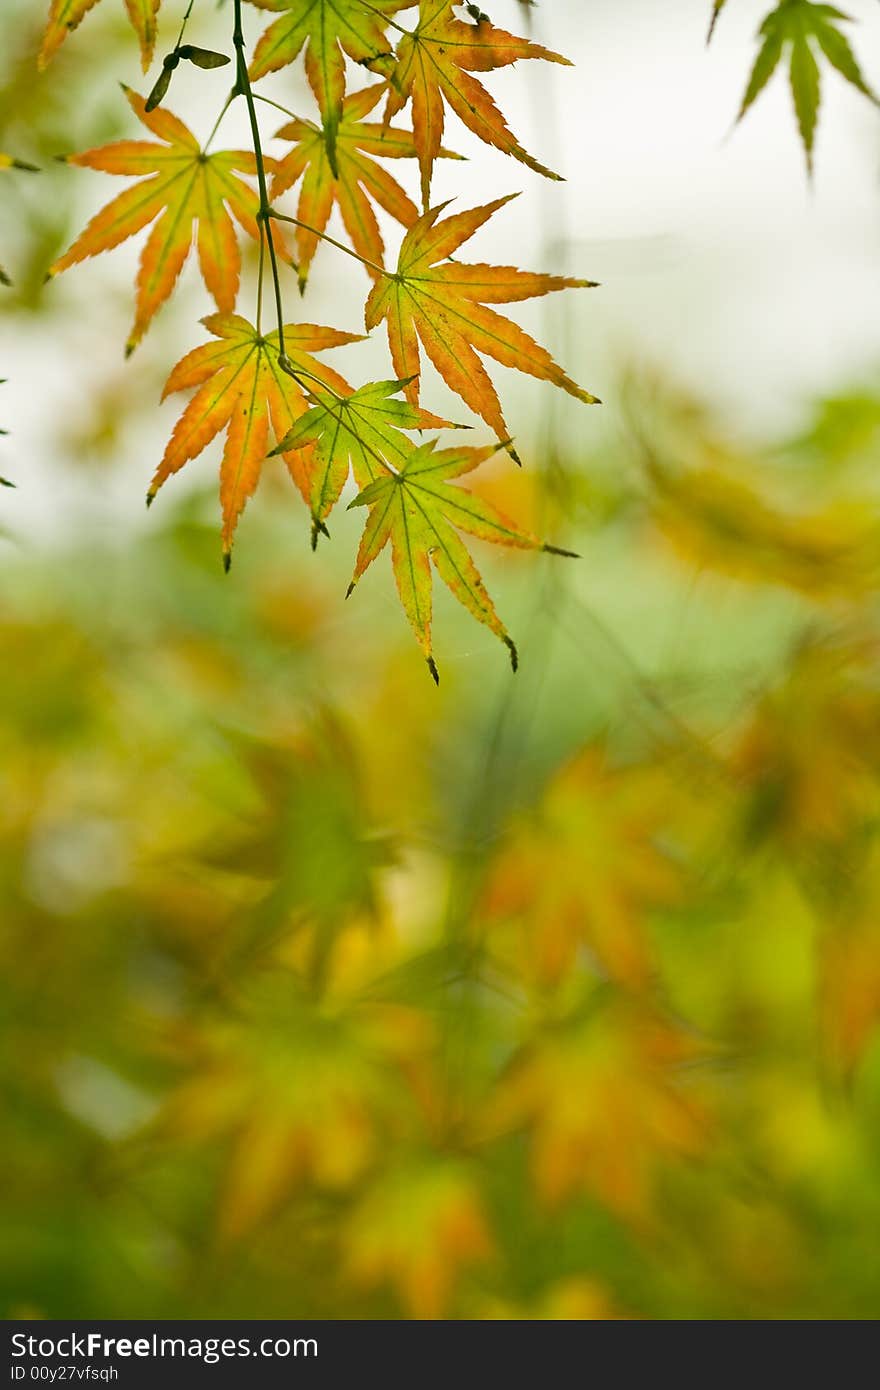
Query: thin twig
point(216, 126)
point(285, 110)
point(189, 10)
point(340, 245)
point(243, 86)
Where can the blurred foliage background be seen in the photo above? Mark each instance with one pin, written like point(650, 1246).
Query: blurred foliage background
point(327, 994)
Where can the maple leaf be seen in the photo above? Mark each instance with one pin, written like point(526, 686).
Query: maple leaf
point(420, 513)
point(357, 179)
point(417, 1228)
point(328, 30)
point(585, 868)
point(243, 389)
point(295, 1097)
point(803, 27)
point(433, 68)
point(182, 186)
point(805, 763)
point(720, 521)
point(66, 15)
point(605, 1104)
point(361, 432)
point(303, 847)
point(445, 308)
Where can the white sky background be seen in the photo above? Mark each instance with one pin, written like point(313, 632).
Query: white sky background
point(718, 262)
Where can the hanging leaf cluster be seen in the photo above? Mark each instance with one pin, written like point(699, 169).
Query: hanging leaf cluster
point(385, 76)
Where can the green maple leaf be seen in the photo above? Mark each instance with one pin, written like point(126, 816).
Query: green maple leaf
point(804, 29)
point(421, 512)
point(361, 433)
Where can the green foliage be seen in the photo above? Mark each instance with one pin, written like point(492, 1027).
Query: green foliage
point(563, 1004)
point(804, 31)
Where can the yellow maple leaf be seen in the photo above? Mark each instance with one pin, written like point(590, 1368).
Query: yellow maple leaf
point(418, 1229)
point(604, 1107)
point(583, 870)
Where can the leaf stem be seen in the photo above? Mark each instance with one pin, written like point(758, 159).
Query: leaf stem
point(226, 105)
point(386, 19)
point(301, 373)
point(340, 245)
point(285, 110)
point(260, 274)
point(189, 10)
point(243, 86)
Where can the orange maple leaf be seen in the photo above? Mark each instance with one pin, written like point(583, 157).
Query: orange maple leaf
point(243, 389)
point(358, 178)
point(443, 306)
point(66, 15)
point(182, 186)
point(433, 68)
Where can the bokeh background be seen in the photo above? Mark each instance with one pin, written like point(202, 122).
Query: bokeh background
point(324, 993)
